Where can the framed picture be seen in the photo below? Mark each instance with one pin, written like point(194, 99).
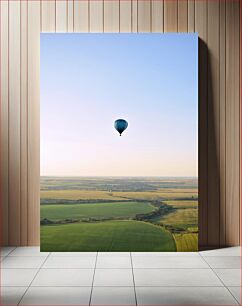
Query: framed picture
point(119, 142)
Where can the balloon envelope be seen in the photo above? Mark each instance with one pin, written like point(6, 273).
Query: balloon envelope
point(120, 125)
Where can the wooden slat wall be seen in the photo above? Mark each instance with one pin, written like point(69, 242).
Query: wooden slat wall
point(217, 23)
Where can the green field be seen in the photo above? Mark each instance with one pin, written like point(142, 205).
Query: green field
point(106, 236)
point(119, 214)
point(95, 210)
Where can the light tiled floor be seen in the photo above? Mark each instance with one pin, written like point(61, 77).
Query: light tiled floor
point(30, 277)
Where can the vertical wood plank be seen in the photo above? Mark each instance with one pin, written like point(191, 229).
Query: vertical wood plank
point(81, 16)
point(96, 16)
point(24, 126)
point(232, 122)
point(191, 15)
point(111, 16)
point(182, 16)
point(222, 120)
point(170, 15)
point(70, 16)
point(240, 83)
point(61, 15)
point(201, 28)
point(157, 16)
point(48, 16)
point(4, 123)
point(125, 16)
point(144, 16)
point(14, 122)
point(33, 122)
point(213, 124)
point(134, 19)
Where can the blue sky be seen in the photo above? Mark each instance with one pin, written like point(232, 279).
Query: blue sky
point(90, 80)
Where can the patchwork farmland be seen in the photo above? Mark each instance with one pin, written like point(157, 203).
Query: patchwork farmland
point(119, 214)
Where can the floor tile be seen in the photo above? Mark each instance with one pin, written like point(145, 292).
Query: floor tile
point(57, 296)
point(236, 292)
point(4, 251)
point(28, 251)
point(12, 295)
point(230, 277)
point(166, 254)
point(113, 277)
point(113, 296)
point(184, 296)
point(175, 277)
point(231, 251)
point(73, 254)
point(17, 277)
point(218, 262)
point(113, 262)
point(115, 254)
point(64, 277)
point(169, 262)
point(23, 262)
point(70, 262)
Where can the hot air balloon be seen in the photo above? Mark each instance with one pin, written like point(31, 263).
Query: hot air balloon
point(120, 125)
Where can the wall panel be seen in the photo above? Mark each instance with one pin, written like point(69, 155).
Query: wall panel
point(14, 121)
point(48, 16)
point(24, 124)
point(111, 16)
point(217, 23)
point(171, 15)
point(33, 121)
point(70, 16)
point(96, 16)
point(232, 122)
point(191, 15)
point(81, 16)
point(222, 120)
point(4, 122)
point(157, 20)
point(144, 15)
point(125, 16)
point(61, 16)
point(182, 16)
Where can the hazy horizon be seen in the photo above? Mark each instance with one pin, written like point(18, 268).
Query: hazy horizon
point(116, 176)
point(90, 80)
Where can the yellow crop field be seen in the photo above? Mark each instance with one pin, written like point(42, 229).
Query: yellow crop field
point(186, 242)
point(79, 195)
point(182, 204)
point(155, 195)
point(181, 217)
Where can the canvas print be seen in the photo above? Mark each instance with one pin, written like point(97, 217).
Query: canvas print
point(119, 142)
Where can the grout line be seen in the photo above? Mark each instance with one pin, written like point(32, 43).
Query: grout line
point(90, 299)
point(34, 278)
point(220, 279)
point(10, 252)
point(135, 295)
point(239, 302)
